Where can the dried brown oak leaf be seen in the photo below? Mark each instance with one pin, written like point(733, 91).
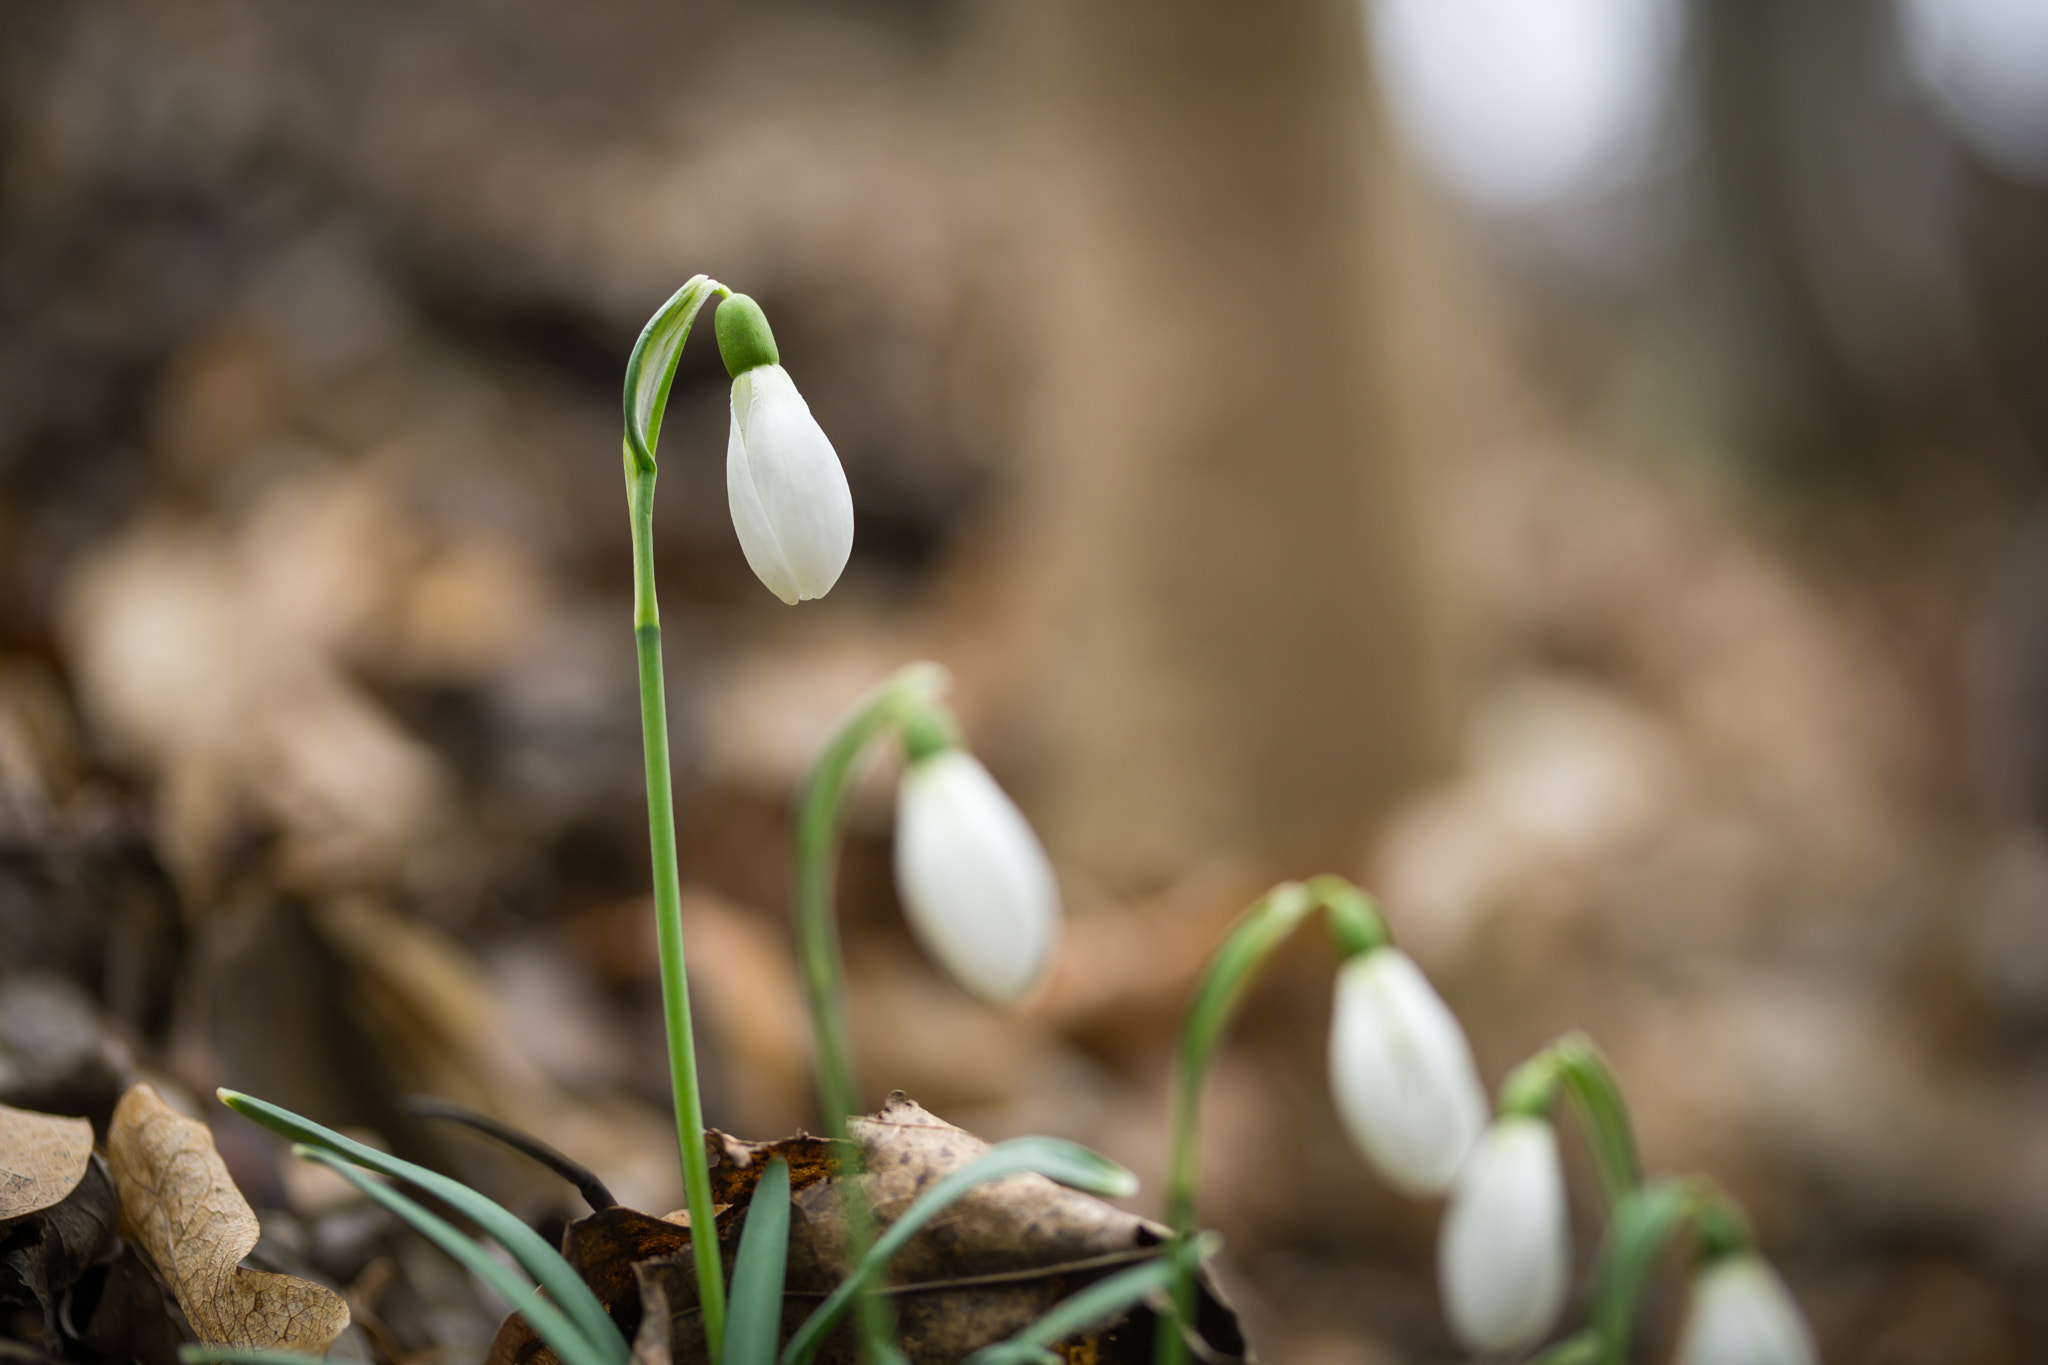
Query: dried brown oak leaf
point(996, 1261)
point(46, 1252)
point(42, 1159)
point(608, 1248)
point(180, 1206)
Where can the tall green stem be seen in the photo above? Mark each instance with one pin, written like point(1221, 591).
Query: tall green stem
point(1356, 927)
point(668, 916)
point(650, 371)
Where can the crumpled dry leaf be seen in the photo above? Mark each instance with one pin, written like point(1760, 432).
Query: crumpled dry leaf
point(48, 1250)
point(42, 1159)
point(1000, 1258)
point(179, 1204)
point(603, 1248)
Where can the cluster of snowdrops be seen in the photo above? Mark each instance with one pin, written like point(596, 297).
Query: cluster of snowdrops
point(982, 899)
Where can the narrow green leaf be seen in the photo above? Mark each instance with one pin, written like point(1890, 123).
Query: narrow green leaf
point(652, 367)
point(199, 1353)
point(548, 1321)
point(534, 1255)
point(1099, 1302)
point(753, 1319)
point(1069, 1163)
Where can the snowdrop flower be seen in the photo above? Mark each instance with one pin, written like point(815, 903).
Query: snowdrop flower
point(1742, 1314)
point(1504, 1260)
point(789, 499)
point(1402, 1073)
point(974, 881)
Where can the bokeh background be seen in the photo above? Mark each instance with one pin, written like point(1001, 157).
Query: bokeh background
point(1581, 467)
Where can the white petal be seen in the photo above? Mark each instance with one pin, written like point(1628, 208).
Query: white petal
point(1504, 1260)
point(757, 536)
point(976, 884)
point(1742, 1314)
point(1402, 1073)
point(790, 503)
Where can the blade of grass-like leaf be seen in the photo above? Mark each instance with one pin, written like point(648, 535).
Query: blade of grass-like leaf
point(1099, 1302)
point(753, 1313)
point(552, 1325)
point(535, 1256)
point(199, 1353)
point(651, 369)
point(1069, 1163)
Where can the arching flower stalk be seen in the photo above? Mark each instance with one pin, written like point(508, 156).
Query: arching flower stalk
point(975, 884)
point(1400, 1067)
point(795, 522)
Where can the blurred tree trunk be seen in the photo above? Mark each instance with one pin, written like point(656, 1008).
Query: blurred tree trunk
point(1781, 396)
point(1237, 665)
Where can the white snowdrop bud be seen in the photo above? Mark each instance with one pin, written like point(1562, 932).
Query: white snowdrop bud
point(1742, 1314)
point(975, 883)
point(789, 499)
point(1504, 1259)
point(1402, 1073)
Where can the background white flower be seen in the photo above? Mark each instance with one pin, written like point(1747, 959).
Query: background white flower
point(1742, 1314)
point(1504, 1260)
point(975, 882)
point(1402, 1073)
point(788, 494)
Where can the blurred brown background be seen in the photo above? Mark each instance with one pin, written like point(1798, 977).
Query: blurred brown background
point(1578, 466)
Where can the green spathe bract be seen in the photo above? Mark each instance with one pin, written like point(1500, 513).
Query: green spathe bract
point(651, 369)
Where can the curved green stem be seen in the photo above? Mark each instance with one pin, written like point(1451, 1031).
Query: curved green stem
point(1575, 1066)
point(1357, 927)
point(820, 818)
point(1644, 1223)
point(649, 374)
point(907, 694)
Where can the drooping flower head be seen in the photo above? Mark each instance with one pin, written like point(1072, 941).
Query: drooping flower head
point(975, 882)
point(1504, 1257)
point(1402, 1072)
point(1742, 1314)
point(789, 498)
